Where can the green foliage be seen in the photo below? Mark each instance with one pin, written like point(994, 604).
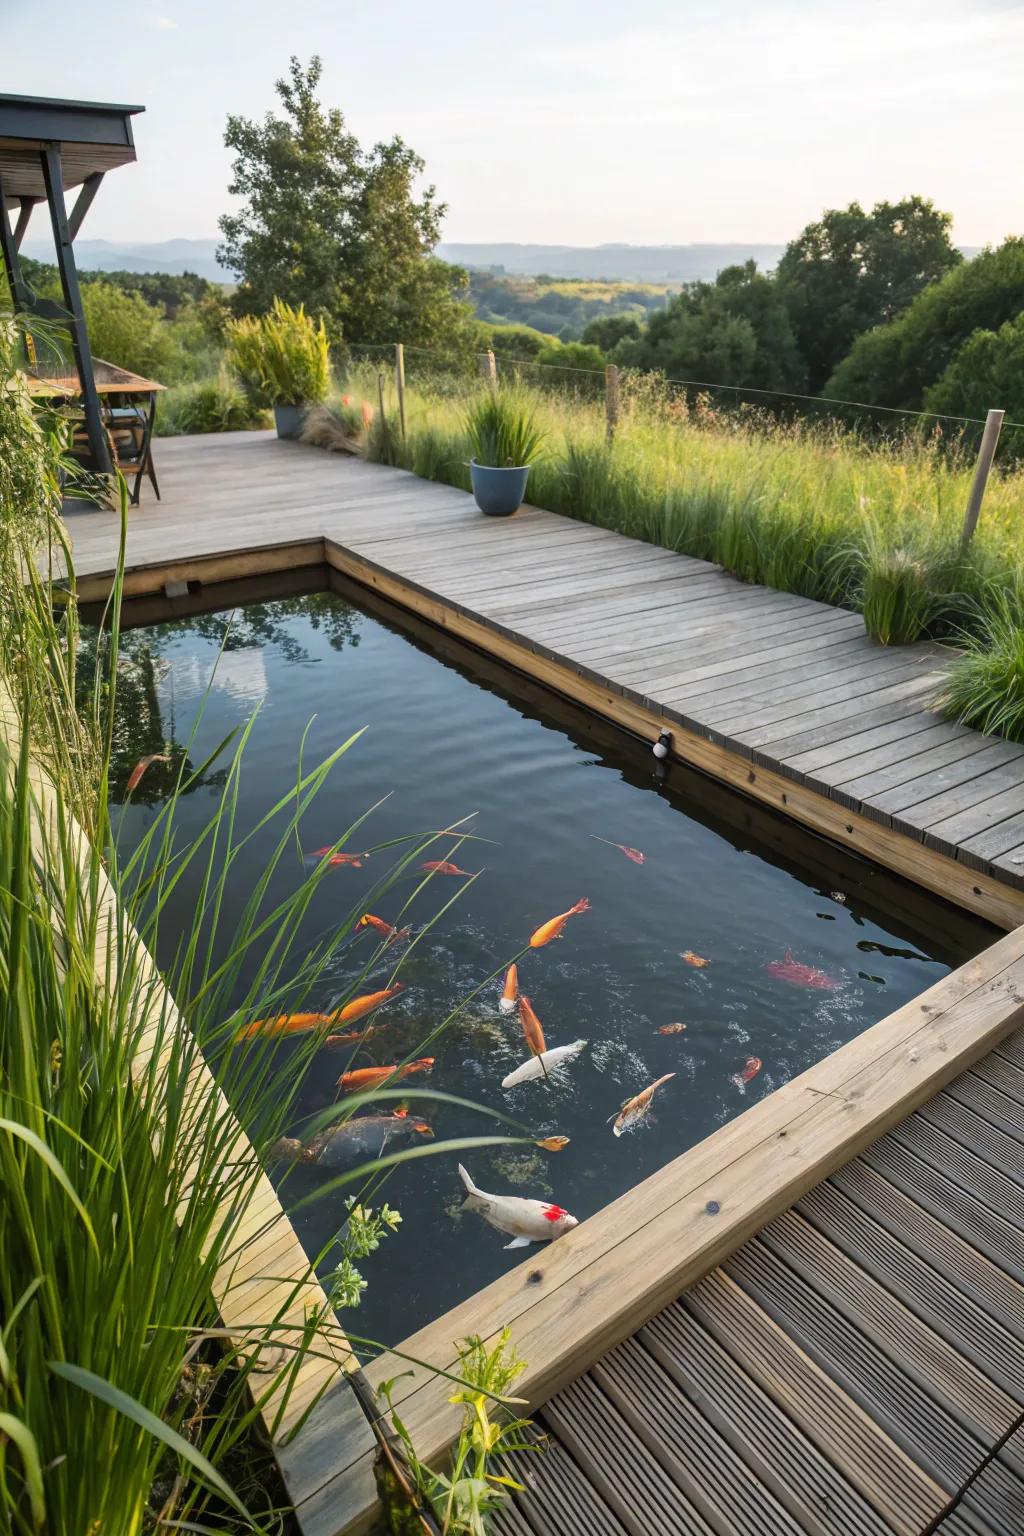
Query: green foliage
point(985, 687)
point(502, 430)
point(735, 330)
point(512, 341)
point(607, 331)
point(124, 329)
point(283, 357)
point(987, 371)
point(362, 1234)
point(330, 225)
point(462, 1499)
point(217, 404)
point(563, 307)
point(895, 364)
point(851, 270)
point(897, 595)
point(571, 354)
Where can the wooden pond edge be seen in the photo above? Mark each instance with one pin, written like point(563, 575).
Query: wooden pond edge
point(266, 1278)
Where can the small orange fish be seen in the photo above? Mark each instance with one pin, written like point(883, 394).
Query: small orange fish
point(510, 991)
point(336, 860)
point(286, 1024)
point(552, 1143)
point(392, 934)
point(441, 867)
point(552, 929)
point(697, 961)
point(670, 1029)
point(631, 853)
point(370, 1077)
point(135, 777)
point(635, 1111)
point(359, 1007)
point(751, 1068)
point(532, 1032)
point(334, 1042)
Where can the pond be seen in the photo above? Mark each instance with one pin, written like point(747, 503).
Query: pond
point(720, 943)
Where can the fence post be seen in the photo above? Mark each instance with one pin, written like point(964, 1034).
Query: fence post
point(489, 368)
point(611, 400)
point(380, 402)
point(986, 453)
point(400, 385)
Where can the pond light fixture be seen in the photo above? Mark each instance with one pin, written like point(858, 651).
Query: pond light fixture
point(662, 745)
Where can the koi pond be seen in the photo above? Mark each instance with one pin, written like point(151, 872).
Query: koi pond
point(723, 950)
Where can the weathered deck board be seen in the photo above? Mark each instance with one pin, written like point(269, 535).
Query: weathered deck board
point(780, 679)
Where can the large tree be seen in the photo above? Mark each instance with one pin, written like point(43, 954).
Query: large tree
point(895, 364)
point(338, 228)
point(851, 270)
point(732, 331)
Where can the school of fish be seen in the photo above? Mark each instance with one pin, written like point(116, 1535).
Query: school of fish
point(366, 1136)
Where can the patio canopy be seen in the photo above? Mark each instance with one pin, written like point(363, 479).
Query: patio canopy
point(47, 146)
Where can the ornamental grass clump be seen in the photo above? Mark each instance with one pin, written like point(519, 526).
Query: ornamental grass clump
point(502, 430)
point(283, 358)
point(985, 686)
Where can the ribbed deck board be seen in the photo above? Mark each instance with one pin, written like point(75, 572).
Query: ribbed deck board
point(787, 681)
point(850, 1369)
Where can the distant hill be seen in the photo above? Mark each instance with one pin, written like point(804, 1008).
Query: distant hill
point(613, 263)
point(176, 256)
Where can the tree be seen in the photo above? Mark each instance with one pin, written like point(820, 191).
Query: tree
point(895, 364)
point(987, 371)
point(608, 330)
point(571, 354)
point(852, 270)
point(733, 331)
point(327, 224)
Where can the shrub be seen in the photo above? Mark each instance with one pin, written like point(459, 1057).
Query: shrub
point(987, 371)
point(283, 358)
point(209, 405)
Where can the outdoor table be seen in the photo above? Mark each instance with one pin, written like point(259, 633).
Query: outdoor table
point(128, 404)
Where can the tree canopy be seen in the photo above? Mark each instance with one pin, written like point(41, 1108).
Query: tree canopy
point(987, 371)
point(735, 330)
point(338, 228)
point(851, 270)
point(895, 364)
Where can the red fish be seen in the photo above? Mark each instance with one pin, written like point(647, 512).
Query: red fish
point(552, 929)
point(533, 1034)
point(510, 991)
point(135, 777)
point(389, 932)
point(697, 961)
point(800, 975)
point(335, 860)
point(441, 867)
point(359, 1007)
point(371, 1077)
point(631, 853)
point(751, 1068)
point(670, 1029)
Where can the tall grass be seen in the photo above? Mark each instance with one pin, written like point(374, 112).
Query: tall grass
point(986, 685)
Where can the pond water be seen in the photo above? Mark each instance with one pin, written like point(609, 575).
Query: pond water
point(448, 734)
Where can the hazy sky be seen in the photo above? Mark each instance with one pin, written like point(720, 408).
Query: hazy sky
point(567, 121)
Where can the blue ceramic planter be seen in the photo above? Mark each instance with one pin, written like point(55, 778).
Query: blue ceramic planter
point(288, 419)
point(498, 492)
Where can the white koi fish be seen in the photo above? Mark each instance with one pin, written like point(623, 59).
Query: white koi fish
point(634, 1111)
point(542, 1065)
point(527, 1221)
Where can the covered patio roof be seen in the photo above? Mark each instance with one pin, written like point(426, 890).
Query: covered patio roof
point(92, 136)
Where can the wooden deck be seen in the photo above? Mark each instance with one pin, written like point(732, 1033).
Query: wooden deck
point(848, 1372)
point(783, 697)
point(814, 1319)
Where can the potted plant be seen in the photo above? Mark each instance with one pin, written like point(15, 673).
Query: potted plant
point(284, 360)
point(504, 441)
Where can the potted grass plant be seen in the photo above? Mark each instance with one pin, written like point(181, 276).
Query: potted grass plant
point(504, 442)
point(283, 359)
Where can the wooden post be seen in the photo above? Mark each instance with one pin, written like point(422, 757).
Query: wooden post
point(400, 385)
point(380, 401)
point(611, 400)
point(986, 453)
point(489, 368)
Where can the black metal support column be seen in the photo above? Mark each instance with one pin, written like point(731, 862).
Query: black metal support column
point(53, 179)
point(9, 246)
point(24, 214)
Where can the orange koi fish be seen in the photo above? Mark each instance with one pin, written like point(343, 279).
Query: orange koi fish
point(552, 1143)
point(800, 975)
point(532, 1032)
point(334, 1042)
point(370, 1077)
point(751, 1068)
point(286, 1024)
point(670, 1029)
point(697, 961)
point(631, 853)
point(510, 991)
point(389, 932)
point(552, 929)
point(634, 1111)
point(359, 1007)
point(336, 860)
point(135, 777)
point(442, 867)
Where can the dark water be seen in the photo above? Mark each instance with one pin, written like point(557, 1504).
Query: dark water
point(721, 878)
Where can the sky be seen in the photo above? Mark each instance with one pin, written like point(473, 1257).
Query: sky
point(572, 122)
